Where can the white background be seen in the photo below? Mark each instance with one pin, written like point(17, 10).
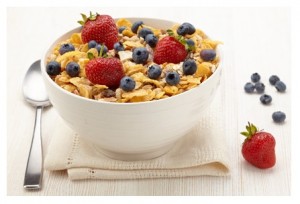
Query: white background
point(242, 30)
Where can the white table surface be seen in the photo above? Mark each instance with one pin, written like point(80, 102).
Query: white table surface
point(256, 40)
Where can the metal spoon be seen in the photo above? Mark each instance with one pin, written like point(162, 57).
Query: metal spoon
point(35, 93)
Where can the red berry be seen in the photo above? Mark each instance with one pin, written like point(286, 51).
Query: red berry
point(259, 147)
point(100, 28)
point(105, 71)
point(169, 50)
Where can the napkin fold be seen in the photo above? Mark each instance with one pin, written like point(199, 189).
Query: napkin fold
point(203, 151)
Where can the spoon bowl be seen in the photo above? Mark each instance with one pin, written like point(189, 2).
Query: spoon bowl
point(35, 93)
point(34, 89)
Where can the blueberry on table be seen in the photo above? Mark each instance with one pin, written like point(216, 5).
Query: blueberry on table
point(135, 26)
point(92, 44)
point(260, 87)
point(53, 68)
point(172, 78)
point(118, 46)
point(66, 48)
point(151, 40)
point(249, 87)
point(265, 99)
point(189, 67)
point(278, 116)
point(154, 71)
point(280, 86)
point(127, 83)
point(186, 28)
point(255, 77)
point(208, 54)
point(72, 69)
point(121, 29)
point(144, 32)
point(140, 55)
point(273, 79)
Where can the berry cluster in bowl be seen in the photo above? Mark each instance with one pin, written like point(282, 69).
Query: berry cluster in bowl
point(124, 61)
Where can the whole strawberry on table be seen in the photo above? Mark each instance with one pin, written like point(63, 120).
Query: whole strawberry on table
point(259, 147)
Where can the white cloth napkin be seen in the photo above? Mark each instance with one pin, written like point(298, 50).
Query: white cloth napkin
point(201, 152)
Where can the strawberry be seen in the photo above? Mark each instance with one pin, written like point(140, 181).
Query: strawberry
point(105, 71)
point(100, 28)
point(169, 50)
point(259, 147)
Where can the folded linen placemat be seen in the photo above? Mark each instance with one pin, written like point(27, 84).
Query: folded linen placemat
point(201, 152)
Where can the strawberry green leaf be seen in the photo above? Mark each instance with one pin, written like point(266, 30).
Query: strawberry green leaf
point(248, 129)
point(170, 32)
point(101, 51)
point(92, 16)
point(90, 55)
point(245, 134)
point(80, 22)
point(253, 129)
point(84, 17)
point(191, 48)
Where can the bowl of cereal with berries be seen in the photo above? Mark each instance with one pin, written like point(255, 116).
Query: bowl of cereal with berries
point(131, 87)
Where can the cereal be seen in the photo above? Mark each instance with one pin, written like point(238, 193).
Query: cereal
point(203, 69)
point(76, 38)
point(132, 44)
point(124, 22)
point(171, 90)
point(146, 89)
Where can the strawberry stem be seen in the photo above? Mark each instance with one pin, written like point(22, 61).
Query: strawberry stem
point(182, 40)
point(251, 130)
point(92, 17)
point(170, 32)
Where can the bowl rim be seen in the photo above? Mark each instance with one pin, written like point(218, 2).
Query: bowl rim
point(220, 50)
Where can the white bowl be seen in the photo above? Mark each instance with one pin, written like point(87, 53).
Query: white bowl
point(132, 131)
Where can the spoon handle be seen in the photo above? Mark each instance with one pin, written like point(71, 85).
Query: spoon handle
point(33, 172)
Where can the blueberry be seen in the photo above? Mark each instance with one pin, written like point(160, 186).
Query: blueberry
point(92, 44)
point(265, 99)
point(273, 79)
point(190, 42)
point(260, 87)
point(189, 67)
point(144, 32)
point(182, 30)
point(208, 54)
point(151, 40)
point(172, 78)
point(53, 68)
point(118, 46)
point(278, 116)
point(280, 86)
point(121, 29)
point(140, 55)
point(186, 28)
point(104, 49)
point(73, 69)
point(135, 26)
point(255, 77)
point(191, 45)
point(249, 87)
point(127, 83)
point(66, 48)
point(154, 71)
